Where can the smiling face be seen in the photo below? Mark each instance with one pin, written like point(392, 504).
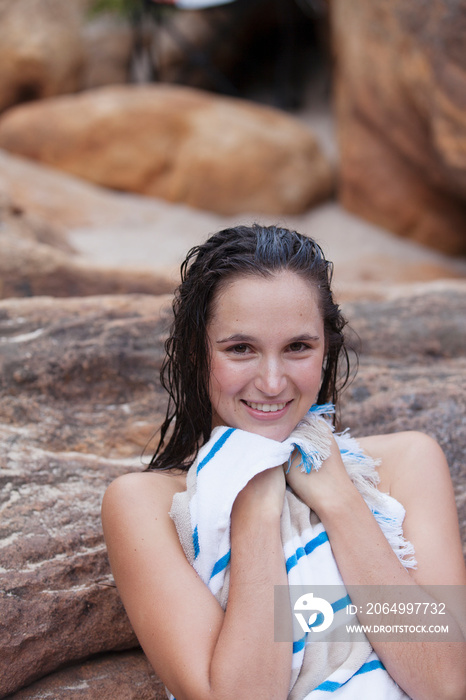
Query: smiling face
point(267, 344)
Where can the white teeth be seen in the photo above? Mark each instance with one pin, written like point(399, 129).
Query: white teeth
point(266, 407)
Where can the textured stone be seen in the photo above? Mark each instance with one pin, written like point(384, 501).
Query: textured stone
point(41, 52)
point(122, 230)
point(36, 259)
point(180, 144)
point(400, 88)
point(79, 403)
point(423, 322)
point(412, 372)
point(87, 368)
point(122, 676)
point(58, 200)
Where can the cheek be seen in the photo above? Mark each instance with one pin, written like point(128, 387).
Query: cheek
point(226, 380)
point(308, 379)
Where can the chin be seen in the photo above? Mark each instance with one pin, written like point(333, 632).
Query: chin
point(271, 432)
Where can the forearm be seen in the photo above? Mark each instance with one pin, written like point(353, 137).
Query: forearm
point(364, 557)
point(246, 660)
point(200, 652)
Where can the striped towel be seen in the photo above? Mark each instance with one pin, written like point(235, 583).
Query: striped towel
point(225, 464)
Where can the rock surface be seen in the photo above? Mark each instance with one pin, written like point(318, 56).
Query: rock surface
point(122, 676)
point(400, 87)
point(413, 371)
point(41, 51)
point(180, 144)
point(119, 231)
point(79, 403)
point(37, 259)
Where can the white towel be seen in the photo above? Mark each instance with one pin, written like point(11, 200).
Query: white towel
point(225, 464)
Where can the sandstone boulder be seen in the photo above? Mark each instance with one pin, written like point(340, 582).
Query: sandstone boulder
point(180, 144)
point(400, 87)
point(37, 259)
point(122, 231)
point(413, 371)
point(119, 676)
point(41, 51)
point(80, 400)
point(79, 403)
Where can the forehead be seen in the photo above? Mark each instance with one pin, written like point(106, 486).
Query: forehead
point(283, 297)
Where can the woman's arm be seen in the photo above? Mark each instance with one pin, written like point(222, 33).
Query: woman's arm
point(199, 651)
point(420, 480)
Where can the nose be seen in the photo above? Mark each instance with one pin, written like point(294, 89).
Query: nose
point(270, 378)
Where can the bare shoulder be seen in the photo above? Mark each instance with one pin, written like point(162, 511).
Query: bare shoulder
point(405, 456)
point(160, 484)
point(140, 496)
point(414, 470)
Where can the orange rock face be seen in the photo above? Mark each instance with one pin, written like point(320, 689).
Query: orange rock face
point(36, 259)
point(41, 51)
point(401, 107)
point(180, 144)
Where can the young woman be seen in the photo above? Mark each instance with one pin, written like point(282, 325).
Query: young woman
point(256, 341)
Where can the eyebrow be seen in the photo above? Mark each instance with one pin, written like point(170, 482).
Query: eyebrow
point(241, 338)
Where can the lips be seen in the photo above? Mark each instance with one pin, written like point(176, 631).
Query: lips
point(266, 407)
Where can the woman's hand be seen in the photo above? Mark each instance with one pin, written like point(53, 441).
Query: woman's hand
point(319, 487)
point(266, 491)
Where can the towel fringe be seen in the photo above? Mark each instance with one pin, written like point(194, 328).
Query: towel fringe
point(312, 438)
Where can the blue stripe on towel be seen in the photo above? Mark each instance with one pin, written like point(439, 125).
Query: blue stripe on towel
point(307, 549)
point(370, 666)
point(312, 544)
point(215, 448)
point(331, 686)
point(341, 604)
point(383, 518)
point(196, 543)
point(221, 564)
point(299, 645)
point(358, 456)
point(322, 409)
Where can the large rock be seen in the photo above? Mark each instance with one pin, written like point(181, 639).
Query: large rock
point(37, 259)
point(181, 144)
point(122, 676)
point(87, 367)
point(412, 371)
point(79, 403)
point(112, 229)
point(41, 50)
point(400, 87)
point(122, 231)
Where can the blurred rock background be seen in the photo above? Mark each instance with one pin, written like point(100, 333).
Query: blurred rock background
point(129, 131)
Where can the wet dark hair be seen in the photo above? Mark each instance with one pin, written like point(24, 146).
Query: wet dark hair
point(242, 250)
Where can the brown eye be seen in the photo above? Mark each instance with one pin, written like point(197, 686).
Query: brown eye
point(240, 349)
point(298, 347)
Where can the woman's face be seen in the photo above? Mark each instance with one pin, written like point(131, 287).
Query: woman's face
point(267, 345)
